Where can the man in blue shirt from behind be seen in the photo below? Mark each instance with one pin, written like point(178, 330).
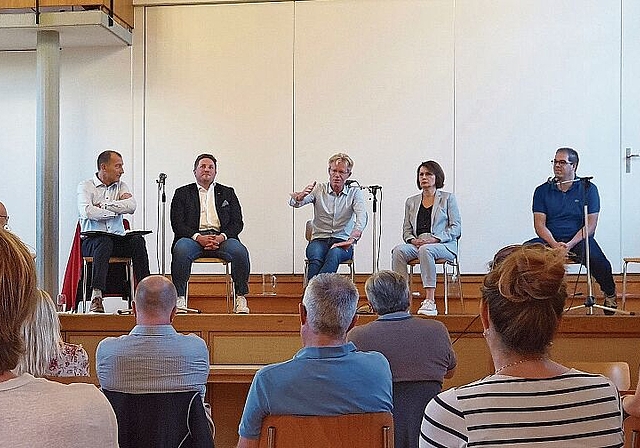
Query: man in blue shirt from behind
point(326, 377)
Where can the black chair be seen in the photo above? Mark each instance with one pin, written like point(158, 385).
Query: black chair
point(409, 400)
point(161, 420)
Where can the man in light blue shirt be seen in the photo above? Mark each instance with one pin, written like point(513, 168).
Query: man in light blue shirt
point(102, 202)
point(153, 357)
point(339, 217)
point(328, 376)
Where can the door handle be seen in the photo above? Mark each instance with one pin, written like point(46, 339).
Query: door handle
point(628, 156)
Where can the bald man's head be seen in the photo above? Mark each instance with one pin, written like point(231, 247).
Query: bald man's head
point(155, 300)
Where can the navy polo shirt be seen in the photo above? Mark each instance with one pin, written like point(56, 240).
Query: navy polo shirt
point(565, 210)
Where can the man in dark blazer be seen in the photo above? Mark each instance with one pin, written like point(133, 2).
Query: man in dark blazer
point(206, 219)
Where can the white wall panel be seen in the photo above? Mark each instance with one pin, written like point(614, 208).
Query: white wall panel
point(373, 79)
point(531, 76)
point(219, 80)
point(18, 141)
point(95, 114)
point(630, 130)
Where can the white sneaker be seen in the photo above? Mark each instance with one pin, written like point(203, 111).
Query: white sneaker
point(181, 302)
point(428, 308)
point(241, 305)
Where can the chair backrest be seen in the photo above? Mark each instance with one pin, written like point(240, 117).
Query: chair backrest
point(370, 430)
point(175, 419)
point(616, 371)
point(308, 230)
point(631, 427)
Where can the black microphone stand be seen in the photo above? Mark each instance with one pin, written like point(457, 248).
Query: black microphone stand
point(373, 190)
point(590, 301)
point(162, 204)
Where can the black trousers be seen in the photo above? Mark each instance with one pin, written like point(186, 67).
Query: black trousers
point(102, 247)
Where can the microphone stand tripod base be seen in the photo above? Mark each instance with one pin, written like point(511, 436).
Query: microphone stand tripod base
point(590, 303)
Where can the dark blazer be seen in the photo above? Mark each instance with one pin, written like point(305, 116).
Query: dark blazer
point(185, 211)
point(161, 420)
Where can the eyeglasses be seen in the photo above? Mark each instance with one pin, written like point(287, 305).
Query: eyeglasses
point(5, 217)
point(340, 172)
point(561, 162)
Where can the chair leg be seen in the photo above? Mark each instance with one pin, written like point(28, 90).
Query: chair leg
point(131, 278)
point(228, 287)
point(352, 270)
point(624, 284)
point(445, 272)
point(456, 270)
point(85, 273)
point(411, 288)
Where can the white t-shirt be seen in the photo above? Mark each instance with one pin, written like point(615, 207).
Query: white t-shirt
point(35, 412)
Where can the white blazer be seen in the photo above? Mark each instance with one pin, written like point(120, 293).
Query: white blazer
point(445, 219)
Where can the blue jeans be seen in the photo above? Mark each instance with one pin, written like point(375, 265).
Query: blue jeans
point(323, 259)
point(600, 266)
point(186, 250)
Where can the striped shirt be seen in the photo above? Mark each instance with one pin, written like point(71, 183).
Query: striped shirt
point(153, 358)
point(575, 409)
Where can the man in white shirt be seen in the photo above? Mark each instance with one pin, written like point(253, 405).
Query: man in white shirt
point(102, 202)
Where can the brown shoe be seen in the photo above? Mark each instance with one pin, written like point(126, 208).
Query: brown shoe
point(96, 305)
point(610, 302)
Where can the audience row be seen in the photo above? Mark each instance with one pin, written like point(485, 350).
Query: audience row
point(396, 363)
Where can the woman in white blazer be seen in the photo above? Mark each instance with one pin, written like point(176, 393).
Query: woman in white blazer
point(430, 231)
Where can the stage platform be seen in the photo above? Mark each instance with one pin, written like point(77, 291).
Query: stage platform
point(239, 344)
point(207, 293)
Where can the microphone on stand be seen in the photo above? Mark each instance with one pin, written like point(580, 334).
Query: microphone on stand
point(554, 180)
point(162, 178)
point(351, 181)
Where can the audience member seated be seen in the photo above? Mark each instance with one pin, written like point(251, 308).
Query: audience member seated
point(4, 224)
point(419, 352)
point(46, 353)
point(328, 376)
point(153, 357)
point(36, 412)
point(430, 231)
point(530, 400)
point(631, 403)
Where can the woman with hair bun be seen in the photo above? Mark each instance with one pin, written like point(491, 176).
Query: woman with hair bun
point(530, 400)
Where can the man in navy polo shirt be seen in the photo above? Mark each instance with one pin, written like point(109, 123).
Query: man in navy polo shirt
point(558, 219)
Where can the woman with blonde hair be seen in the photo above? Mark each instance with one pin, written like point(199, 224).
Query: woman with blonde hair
point(529, 400)
point(46, 353)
